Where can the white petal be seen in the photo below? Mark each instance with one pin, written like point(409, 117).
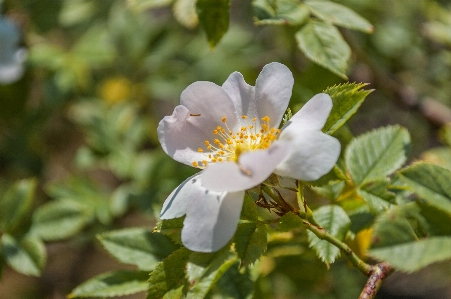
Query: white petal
point(313, 155)
point(242, 95)
point(252, 169)
point(175, 205)
point(313, 115)
point(10, 73)
point(212, 103)
point(211, 220)
point(273, 91)
point(179, 138)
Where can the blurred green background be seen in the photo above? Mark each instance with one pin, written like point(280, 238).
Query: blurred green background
point(100, 75)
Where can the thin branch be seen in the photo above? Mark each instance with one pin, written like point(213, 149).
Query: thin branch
point(379, 273)
point(322, 234)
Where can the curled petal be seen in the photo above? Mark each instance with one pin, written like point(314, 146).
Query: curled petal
point(273, 91)
point(179, 138)
point(314, 155)
point(211, 220)
point(242, 95)
point(313, 115)
point(252, 169)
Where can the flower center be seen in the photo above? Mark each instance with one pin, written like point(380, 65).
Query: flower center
point(228, 145)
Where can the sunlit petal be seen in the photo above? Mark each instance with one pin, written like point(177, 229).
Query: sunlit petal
point(253, 168)
point(314, 155)
point(273, 91)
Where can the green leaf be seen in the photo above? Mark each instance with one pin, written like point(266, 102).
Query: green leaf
point(137, 246)
point(431, 183)
point(413, 256)
point(331, 191)
point(346, 99)
point(323, 44)
point(289, 222)
point(185, 13)
point(340, 15)
point(334, 175)
point(94, 48)
point(236, 285)
point(395, 226)
point(205, 269)
point(171, 228)
point(60, 219)
point(376, 154)
point(214, 18)
point(438, 220)
point(200, 262)
point(168, 274)
point(279, 12)
point(249, 211)
point(140, 5)
point(250, 242)
point(16, 203)
point(26, 255)
point(336, 222)
point(111, 284)
point(377, 196)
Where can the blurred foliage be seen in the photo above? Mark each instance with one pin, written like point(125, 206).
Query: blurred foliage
point(79, 154)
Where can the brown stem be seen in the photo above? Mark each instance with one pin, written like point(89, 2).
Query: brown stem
point(379, 273)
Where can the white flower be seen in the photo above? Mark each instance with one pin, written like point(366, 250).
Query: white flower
point(11, 57)
point(231, 132)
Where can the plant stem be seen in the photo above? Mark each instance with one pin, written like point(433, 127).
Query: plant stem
point(379, 273)
point(321, 233)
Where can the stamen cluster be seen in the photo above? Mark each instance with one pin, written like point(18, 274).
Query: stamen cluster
point(228, 146)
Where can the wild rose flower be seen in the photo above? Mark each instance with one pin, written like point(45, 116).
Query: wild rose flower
point(232, 133)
